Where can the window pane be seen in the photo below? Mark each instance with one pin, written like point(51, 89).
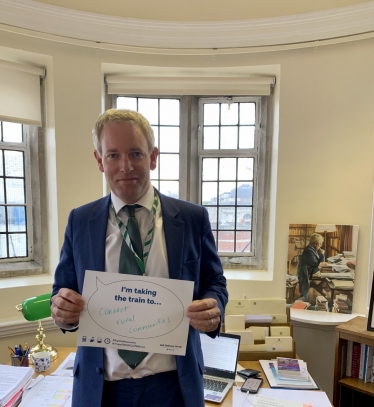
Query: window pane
point(229, 113)
point(244, 218)
point(2, 195)
point(246, 137)
point(212, 211)
point(210, 169)
point(209, 193)
point(227, 169)
point(226, 241)
point(243, 242)
point(156, 183)
point(149, 109)
point(15, 191)
point(169, 111)
point(229, 137)
point(13, 163)
point(2, 219)
point(169, 166)
point(227, 193)
point(126, 103)
point(245, 168)
point(245, 193)
point(226, 218)
point(169, 139)
point(16, 219)
point(3, 250)
point(170, 188)
point(1, 163)
point(211, 114)
point(247, 113)
point(155, 133)
point(17, 245)
point(12, 132)
point(211, 138)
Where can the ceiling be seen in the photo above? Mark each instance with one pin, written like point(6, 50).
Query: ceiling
point(193, 24)
point(201, 10)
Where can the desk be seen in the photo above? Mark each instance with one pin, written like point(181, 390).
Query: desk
point(64, 352)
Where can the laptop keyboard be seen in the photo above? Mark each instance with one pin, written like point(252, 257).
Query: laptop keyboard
point(214, 385)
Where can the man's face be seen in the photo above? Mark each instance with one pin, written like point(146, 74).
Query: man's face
point(125, 160)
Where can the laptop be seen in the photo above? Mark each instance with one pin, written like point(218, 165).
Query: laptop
point(220, 359)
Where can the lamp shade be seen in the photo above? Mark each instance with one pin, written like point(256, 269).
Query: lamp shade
point(36, 308)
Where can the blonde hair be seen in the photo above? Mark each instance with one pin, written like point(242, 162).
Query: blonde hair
point(127, 116)
point(316, 238)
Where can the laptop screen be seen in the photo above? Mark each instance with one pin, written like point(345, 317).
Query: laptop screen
point(220, 354)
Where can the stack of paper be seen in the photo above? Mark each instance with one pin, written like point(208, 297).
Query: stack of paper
point(270, 368)
point(292, 369)
point(12, 380)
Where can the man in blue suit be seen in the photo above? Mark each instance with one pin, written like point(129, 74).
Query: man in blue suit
point(182, 247)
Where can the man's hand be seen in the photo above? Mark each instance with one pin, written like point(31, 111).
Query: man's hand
point(67, 306)
point(204, 315)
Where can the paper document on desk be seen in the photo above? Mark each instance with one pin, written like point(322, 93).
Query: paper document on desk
point(66, 367)
point(51, 391)
point(314, 398)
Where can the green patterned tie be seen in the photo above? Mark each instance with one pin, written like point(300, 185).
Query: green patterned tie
point(128, 265)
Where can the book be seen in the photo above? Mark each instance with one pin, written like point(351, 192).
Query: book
point(349, 359)
point(300, 305)
point(270, 369)
point(368, 375)
point(291, 368)
point(362, 361)
point(12, 380)
point(356, 352)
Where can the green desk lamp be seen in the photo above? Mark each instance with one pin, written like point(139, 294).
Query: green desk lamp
point(35, 309)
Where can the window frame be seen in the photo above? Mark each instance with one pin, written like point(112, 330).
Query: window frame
point(25, 148)
point(190, 168)
point(258, 153)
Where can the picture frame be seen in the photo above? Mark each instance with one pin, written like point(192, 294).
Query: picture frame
point(370, 326)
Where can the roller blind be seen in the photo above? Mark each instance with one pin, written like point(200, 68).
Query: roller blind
point(20, 93)
point(136, 85)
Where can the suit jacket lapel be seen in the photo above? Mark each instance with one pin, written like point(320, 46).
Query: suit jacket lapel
point(174, 236)
point(97, 226)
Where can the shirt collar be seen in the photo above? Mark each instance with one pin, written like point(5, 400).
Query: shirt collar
point(146, 200)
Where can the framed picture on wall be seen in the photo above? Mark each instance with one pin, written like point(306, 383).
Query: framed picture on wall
point(371, 306)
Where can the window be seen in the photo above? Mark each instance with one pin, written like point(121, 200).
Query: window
point(212, 152)
point(163, 115)
point(15, 234)
point(228, 159)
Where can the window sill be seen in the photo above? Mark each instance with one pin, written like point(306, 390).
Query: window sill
point(20, 268)
point(245, 274)
point(26, 281)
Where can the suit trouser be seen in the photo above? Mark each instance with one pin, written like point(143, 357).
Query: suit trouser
point(159, 390)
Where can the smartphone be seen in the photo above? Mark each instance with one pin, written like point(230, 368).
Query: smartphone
point(251, 385)
point(247, 373)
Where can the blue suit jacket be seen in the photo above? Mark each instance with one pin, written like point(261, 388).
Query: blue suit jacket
point(191, 256)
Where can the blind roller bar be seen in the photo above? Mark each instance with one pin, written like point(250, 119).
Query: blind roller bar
point(23, 68)
point(253, 85)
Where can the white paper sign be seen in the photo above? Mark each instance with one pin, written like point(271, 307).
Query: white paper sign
point(130, 312)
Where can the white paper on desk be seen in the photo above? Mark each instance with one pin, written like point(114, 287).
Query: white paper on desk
point(51, 391)
point(66, 367)
point(135, 313)
point(315, 398)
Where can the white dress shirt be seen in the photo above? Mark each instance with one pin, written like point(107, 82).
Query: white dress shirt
point(157, 266)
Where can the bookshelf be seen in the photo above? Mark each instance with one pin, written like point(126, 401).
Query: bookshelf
point(332, 243)
point(299, 234)
point(350, 392)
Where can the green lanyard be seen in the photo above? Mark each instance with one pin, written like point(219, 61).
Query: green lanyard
point(148, 239)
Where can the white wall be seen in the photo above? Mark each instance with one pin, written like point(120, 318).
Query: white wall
point(325, 145)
